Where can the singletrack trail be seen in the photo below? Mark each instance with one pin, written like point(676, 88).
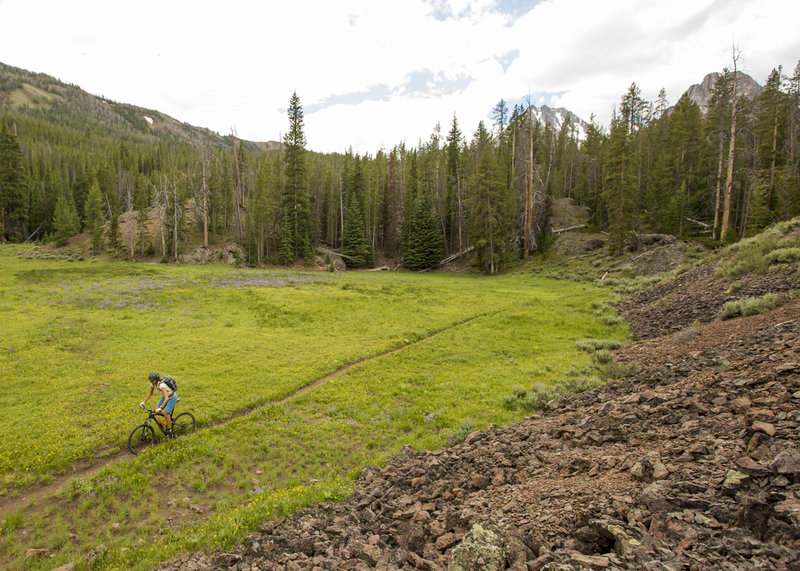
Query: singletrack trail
point(30, 500)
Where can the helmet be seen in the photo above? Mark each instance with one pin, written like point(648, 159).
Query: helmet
point(154, 376)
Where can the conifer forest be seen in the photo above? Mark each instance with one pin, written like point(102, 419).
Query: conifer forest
point(146, 186)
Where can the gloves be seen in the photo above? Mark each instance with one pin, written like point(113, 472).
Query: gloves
point(141, 404)
point(158, 409)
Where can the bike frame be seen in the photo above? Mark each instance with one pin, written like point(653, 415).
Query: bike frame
point(154, 417)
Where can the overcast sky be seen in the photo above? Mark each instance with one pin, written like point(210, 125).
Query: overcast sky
point(374, 73)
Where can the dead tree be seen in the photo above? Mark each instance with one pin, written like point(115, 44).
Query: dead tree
point(726, 208)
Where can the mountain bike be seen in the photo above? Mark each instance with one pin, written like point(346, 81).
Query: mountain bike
point(144, 435)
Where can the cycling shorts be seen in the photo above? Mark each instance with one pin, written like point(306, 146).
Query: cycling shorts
point(173, 400)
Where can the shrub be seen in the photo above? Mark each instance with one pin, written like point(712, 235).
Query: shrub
point(519, 392)
point(603, 357)
point(776, 245)
point(582, 384)
point(510, 401)
point(459, 434)
point(592, 345)
point(783, 256)
point(749, 306)
point(611, 320)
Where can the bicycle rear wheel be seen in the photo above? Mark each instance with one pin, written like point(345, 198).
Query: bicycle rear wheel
point(141, 437)
point(183, 424)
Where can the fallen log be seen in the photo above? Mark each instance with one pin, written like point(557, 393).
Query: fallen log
point(346, 257)
point(703, 224)
point(455, 256)
point(559, 231)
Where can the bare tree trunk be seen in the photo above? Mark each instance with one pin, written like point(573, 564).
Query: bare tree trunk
point(726, 210)
point(774, 155)
point(718, 189)
point(162, 199)
point(205, 196)
point(237, 189)
point(175, 219)
point(491, 232)
point(341, 212)
point(746, 208)
point(529, 201)
point(460, 212)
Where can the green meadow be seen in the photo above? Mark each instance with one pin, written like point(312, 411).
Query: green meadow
point(415, 359)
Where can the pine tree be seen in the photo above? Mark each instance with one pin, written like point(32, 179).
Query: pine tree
point(770, 124)
point(13, 199)
point(296, 238)
point(354, 238)
point(424, 248)
point(113, 230)
point(80, 188)
point(65, 220)
point(487, 203)
point(93, 220)
point(591, 148)
point(619, 183)
point(454, 208)
point(409, 197)
point(354, 241)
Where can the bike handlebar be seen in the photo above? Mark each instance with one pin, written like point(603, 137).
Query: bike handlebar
point(152, 410)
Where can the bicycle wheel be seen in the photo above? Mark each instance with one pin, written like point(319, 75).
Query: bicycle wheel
point(141, 437)
point(183, 424)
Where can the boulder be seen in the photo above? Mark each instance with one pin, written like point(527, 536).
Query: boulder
point(480, 550)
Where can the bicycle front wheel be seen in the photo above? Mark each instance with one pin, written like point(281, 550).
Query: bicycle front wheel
point(183, 424)
point(141, 437)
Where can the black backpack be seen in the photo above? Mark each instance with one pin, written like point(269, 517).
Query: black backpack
point(170, 382)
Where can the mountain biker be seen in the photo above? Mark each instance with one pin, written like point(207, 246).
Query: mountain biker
point(168, 396)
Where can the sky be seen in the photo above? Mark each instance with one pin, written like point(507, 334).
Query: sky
point(371, 74)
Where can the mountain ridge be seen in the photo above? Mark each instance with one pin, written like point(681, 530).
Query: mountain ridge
point(41, 96)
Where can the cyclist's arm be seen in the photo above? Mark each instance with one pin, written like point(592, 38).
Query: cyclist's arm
point(166, 396)
point(149, 394)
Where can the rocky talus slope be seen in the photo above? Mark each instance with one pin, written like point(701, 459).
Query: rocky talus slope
point(697, 297)
point(692, 463)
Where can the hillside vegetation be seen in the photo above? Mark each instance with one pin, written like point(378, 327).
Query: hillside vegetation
point(73, 162)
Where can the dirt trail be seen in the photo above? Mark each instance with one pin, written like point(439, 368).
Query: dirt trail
point(31, 500)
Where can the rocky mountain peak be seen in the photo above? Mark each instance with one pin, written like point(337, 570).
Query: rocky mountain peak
point(700, 93)
point(555, 117)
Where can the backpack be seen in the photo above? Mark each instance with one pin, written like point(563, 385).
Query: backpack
point(170, 382)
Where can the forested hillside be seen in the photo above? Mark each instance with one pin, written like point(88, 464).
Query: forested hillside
point(71, 162)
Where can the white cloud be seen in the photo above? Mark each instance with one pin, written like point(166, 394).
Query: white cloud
point(377, 72)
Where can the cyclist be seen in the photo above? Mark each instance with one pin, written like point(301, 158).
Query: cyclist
point(169, 397)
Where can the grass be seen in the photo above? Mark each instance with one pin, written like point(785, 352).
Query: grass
point(431, 357)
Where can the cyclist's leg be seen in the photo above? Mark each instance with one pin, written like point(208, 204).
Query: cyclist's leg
point(169, 408)
point(159, 405)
